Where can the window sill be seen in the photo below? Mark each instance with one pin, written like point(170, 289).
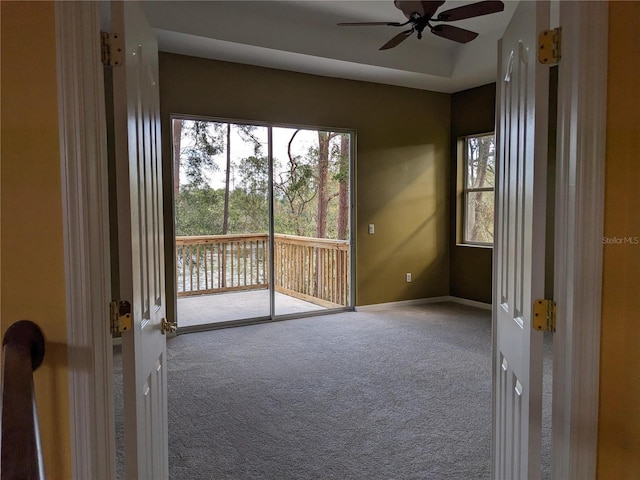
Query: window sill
point(474, 245)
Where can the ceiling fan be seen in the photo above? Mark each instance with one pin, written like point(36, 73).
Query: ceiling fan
point(422, 14)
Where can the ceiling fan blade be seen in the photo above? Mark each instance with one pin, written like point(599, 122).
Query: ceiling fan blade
point(411, 7)
point(368, 24)
point(456, 34)
point(408, 7)
point(470, 11)
point(430, 7)
point(397, 40)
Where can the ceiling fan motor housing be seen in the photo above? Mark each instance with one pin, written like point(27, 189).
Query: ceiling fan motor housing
point(410, 9)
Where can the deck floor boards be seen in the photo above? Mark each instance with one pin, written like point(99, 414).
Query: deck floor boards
point(224, 307)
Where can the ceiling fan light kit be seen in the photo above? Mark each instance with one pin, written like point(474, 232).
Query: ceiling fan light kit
point(421, 14)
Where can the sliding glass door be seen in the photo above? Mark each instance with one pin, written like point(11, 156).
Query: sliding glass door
point(262, 221)
point(311, 209)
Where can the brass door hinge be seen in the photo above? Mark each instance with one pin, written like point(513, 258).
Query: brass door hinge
point(120, 316)
point(549, 46)
point(112, 49)
point(544, 315)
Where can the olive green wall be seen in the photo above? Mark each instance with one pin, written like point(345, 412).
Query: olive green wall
point(472, 112)
point(402, 159)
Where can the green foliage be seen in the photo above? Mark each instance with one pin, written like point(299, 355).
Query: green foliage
point(200, 208)
point(248, 213)
point(255, 175)
point(203, 141)
point(199, 211)
point(342, 172)
point(248, 134)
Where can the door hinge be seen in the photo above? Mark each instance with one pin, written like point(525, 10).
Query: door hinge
point(549, 46)
point(544, 315)
point(112, 49)
point(120, 314)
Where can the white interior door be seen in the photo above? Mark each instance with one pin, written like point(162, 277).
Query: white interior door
point(522, 122)
point(140, 236)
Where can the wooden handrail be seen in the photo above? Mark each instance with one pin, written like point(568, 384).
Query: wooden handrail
point(313, 269)
point(23, 352)
point(203, 239)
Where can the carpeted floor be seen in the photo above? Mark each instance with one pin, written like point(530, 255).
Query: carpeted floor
point(399, 393)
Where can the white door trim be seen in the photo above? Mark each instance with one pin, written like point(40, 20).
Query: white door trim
point(579, 220)
point(83, 158)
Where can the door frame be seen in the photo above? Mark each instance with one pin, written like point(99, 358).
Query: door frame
point(579, 225)
point(85, 207)
point(170, 225)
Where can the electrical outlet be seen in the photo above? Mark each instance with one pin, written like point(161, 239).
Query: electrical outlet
point(372, 229)
point(408, 277)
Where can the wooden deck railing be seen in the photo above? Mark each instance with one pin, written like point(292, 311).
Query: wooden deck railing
point(23, 352)
point(312, 269)
point(221, 263)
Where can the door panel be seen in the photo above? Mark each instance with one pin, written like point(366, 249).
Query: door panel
point(522, 113)
point(221, 192)
point(311, 204)
point(140, 243)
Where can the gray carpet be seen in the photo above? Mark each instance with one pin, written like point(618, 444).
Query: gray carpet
point(400, 393)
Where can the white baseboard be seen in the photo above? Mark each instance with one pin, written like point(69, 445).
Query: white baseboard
point(423, 301)
point(402, 303)
point(470, 303)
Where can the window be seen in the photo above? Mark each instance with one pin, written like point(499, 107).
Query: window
point(479, 160)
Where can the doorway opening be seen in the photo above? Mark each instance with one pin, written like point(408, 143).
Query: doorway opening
point(262, 222)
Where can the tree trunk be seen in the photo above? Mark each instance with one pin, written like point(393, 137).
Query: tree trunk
point(177, 136)
point(225, 215)
point(323, 173)
point(343, 193)
point(478, 212)
point(484, 145)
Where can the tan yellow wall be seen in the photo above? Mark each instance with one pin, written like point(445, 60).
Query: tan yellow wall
point(619, 422)
point(31, 258)
point(402, 170)
point(472, 112)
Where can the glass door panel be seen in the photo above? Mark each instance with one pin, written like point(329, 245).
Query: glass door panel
point(311, 208)
point(221, 190)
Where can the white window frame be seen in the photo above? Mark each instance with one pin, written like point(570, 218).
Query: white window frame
point(465, 190)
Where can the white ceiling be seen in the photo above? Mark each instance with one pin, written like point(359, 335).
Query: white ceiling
point(302, 36)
